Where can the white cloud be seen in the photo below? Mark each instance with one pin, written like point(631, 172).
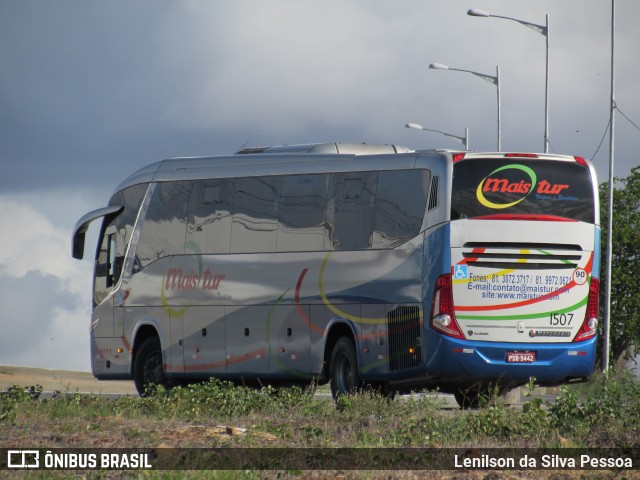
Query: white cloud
point(45, 294)
point(30, 242)
point(44, 324)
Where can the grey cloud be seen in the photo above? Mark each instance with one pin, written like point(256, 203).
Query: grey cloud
point(93, 90)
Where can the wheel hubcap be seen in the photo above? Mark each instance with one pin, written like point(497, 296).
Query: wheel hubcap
point(153, 369)
point(345, 377)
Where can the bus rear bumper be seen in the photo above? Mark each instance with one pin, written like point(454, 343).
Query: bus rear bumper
point(464, 362)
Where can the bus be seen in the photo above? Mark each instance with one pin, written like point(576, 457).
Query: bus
point(354, 265)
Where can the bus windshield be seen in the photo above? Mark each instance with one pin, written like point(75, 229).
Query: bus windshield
point(510, 188)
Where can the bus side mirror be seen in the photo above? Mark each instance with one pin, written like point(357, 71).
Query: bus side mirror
point(101, 270)
point(77, 239)
point(77, 250)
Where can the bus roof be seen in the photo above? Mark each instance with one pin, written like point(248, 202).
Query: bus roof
point(519, 155)
point(309, 158)
point(329, 148)
point(313, 158)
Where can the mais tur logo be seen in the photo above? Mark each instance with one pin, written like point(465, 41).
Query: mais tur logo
point(494, 183)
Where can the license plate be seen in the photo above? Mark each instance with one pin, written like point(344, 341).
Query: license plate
point(521, 357)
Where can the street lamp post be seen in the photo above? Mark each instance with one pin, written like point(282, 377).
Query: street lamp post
point(612, 119)
point(488, 78)
point(464, 140)
point(543, 30)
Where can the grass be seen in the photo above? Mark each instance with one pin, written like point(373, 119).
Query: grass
point(603, 413)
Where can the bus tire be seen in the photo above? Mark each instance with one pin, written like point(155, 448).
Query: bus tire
point(148, 368)
point(468, 398)
point(345, 377)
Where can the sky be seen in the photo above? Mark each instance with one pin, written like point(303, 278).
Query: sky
point(93, 90)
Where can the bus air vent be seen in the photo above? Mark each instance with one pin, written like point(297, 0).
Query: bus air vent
point(524, 256)
point(250, 150)
point(403, 325)
point(433, 194)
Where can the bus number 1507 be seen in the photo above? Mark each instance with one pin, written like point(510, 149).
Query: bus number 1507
point(562, 319)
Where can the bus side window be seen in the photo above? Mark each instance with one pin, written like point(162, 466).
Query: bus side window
point(254, 226)
point(164, 228)
point(112, 261)
point(209, 215)
point(301, 213)
point(350, 210)
point(400, 206)
point(105, 270)
point(110, 257)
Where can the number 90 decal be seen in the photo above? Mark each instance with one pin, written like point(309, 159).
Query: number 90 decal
point(579, 276)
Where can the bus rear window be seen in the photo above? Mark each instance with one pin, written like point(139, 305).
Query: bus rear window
point(505, 187)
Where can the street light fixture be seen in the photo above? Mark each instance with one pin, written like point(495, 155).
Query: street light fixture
point(543, 30)
point(488, 78)
point(464, 140)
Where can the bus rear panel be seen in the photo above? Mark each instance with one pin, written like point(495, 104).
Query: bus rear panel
point(521, 297)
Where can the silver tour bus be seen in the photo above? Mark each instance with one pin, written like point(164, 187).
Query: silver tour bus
point(350, 264)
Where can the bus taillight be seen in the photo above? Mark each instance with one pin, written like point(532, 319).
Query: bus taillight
point(443, 317)
point(590, 325)
point(520, 155)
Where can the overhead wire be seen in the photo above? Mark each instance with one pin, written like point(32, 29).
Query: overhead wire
point(627, 118)
point(602, 139)
point(609, 126)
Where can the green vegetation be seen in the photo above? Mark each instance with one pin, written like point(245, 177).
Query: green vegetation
point(625, 286)
point(602, 413)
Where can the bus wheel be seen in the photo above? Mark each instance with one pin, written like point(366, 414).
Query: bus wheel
point(147, 366)
point(345, 378)
point(468, 398)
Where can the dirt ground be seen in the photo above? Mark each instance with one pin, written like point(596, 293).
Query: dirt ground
point(60, 380)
